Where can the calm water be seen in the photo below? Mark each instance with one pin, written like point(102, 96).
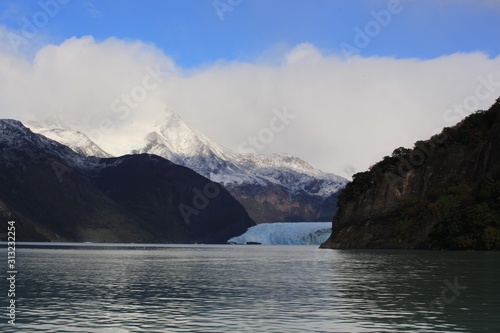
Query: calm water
point(253, 289)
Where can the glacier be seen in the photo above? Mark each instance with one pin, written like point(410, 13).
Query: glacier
point(285, 233)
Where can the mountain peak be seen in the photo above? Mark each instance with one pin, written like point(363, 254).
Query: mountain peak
point(75, 140)
point(181, 137)
point(278, 161)
point(171, 120)
point(289, 188)
point(13, 131)
point(10, 123)
point(176, 139)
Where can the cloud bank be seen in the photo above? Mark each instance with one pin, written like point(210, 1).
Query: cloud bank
point(347, 114)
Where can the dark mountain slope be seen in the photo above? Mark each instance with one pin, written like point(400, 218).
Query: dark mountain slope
point(153, 188)
point(56, 194)
point(442, 194)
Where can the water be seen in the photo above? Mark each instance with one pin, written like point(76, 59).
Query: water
point(252, 289)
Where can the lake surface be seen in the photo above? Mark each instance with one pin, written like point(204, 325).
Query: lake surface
point(252, 289)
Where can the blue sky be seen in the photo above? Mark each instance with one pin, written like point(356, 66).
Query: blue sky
point(193, 34)
point(361, 77)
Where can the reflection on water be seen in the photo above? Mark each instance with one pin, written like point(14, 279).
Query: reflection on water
point(253, 289)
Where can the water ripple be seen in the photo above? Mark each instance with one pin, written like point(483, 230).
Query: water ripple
point(252, 289)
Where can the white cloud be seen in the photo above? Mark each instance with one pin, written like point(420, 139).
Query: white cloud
point(301, 53)
point(348, 115)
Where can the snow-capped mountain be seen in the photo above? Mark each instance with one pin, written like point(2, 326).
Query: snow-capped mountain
point(75, 140)
point(56, 194)
point(291, 172)
point(14, 134)
point(273, 188)
point(181, 143)
point(276, 187)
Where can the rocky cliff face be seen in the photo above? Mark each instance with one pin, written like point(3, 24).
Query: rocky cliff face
point(56, 194)
point(272, 202)
point(442, 194)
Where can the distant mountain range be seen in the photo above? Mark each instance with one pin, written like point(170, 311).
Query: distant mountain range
point(75, 140)
point(272, 188)
point(57, 194)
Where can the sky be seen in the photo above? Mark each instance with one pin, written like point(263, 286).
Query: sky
point(338, 83)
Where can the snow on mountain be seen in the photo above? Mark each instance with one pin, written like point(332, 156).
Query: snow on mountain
point(57, 193)
point(297, 233)
point(182, 144)
point(179, 142)
point(13, 133)
point(275, 187)
point(293, 173)
point(75, 140)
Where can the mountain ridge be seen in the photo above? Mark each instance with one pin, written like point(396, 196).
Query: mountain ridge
point(444, 193)
point(56, 194)
point(75, 140)
point(273, 188)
